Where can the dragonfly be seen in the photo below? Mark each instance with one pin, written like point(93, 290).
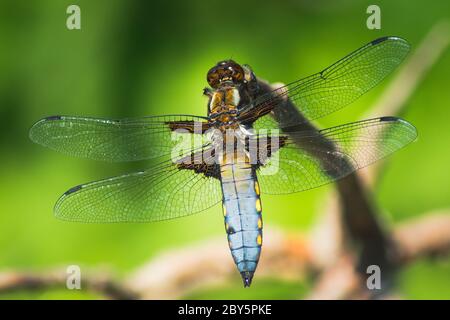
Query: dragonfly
point(294, 157)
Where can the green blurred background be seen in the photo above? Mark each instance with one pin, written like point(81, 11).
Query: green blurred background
point(136, 58)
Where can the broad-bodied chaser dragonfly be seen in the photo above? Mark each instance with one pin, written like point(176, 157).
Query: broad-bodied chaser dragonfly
point(293, 157)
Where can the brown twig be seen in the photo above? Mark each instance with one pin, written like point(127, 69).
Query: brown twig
point(423, 237)
point(286, 256)
point(209, 264)
point(100, 283)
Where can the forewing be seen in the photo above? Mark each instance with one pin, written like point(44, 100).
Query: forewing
point(310, 159)
point(115, 140)
point(331, 89)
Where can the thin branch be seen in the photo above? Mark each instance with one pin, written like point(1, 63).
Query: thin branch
point(99, 283)
point(427, 236)
point(286, 256)
point(209, 264)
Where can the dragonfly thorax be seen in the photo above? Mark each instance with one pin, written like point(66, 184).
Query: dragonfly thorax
point(223, 105)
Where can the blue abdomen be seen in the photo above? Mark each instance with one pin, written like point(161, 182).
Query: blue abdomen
point(242, 212)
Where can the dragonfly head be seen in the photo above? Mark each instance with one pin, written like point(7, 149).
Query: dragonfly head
point(223, 72)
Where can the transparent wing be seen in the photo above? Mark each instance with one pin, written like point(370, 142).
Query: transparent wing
point(334, 87)
point(161, 193)
point(313, 158)
point(114, 140)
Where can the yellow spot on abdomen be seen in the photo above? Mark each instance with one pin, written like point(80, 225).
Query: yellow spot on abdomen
point(257, 188)
point(259, 239)
point(259, 223)
point(224, 211)
point(258, 205)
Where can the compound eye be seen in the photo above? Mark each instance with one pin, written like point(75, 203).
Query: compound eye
point(213, 78)
point(238, 76)
point(237, 73)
